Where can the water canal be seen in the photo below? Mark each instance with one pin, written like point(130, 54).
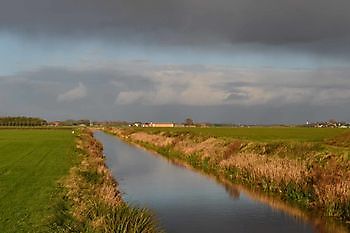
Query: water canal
point(187, 201)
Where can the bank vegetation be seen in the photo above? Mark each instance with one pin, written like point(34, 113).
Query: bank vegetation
point(88, 199)
point(312, 175)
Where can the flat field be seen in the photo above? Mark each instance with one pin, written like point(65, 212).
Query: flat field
point(257, 133)
point(31, 163)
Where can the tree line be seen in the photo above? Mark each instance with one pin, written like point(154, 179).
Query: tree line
point(22, 121)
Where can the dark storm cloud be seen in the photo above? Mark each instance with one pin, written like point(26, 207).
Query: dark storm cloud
point(184, 21)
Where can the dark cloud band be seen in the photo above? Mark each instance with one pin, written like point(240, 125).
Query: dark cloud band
point(182, 21)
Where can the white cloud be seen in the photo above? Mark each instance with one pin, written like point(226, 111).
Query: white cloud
point(121, 88)
point(218, 85)
point(171, 88)
point(78, 92)
point(129, 97)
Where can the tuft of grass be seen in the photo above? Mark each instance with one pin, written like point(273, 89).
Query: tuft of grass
point(124, 218)
point(91, 176)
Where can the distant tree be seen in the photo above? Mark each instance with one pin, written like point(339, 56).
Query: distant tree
point(189, 121)
point(332, 121)
point(22, 121)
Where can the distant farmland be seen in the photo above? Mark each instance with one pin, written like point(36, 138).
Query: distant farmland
point(31, 162)
point(256, 133)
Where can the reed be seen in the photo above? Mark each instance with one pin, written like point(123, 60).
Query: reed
point(306, 173)
point(88, 199)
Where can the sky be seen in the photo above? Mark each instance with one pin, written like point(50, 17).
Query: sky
point(225, 61)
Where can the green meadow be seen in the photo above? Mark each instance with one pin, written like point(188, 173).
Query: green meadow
point(31, 163)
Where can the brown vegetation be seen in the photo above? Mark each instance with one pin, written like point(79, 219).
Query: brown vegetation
point(342, 140)
point(90, 200)
point(306, 173)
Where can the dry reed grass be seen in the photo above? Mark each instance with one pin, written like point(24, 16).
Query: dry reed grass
point(95, 204)
point(304, 172)
point(274, 168)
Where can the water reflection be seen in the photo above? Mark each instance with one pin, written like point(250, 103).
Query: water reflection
point(232, 191)
point(186, 201)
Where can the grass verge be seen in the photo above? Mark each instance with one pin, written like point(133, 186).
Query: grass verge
point(311, 174)
point(88, 198)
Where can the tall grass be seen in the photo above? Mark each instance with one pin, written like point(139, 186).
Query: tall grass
point(306, 173)
point(261, 134)
point(124, 218)
point(89, 201)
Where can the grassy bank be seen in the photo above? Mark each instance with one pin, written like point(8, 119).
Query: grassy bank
point(31, 161)
point(90, 201)
point(263, 134)
point(307, 167)
point(54, 181)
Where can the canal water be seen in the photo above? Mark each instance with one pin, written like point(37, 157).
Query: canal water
point(187, 201)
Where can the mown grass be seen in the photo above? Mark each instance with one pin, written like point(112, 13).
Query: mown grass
point(253, 133)
point(31, 163)
point(54, 181)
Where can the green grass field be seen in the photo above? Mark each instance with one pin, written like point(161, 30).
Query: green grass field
point(31, 163)
point(258, 134)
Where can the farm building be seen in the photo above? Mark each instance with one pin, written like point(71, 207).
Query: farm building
point(162, 124)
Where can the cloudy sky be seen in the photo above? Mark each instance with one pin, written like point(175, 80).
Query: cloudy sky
point(240, 61)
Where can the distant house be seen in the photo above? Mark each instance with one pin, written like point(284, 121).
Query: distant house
point(55, 123)
point(330, 124)
point(146, 124)
point(136, 124)
point(162, 124)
